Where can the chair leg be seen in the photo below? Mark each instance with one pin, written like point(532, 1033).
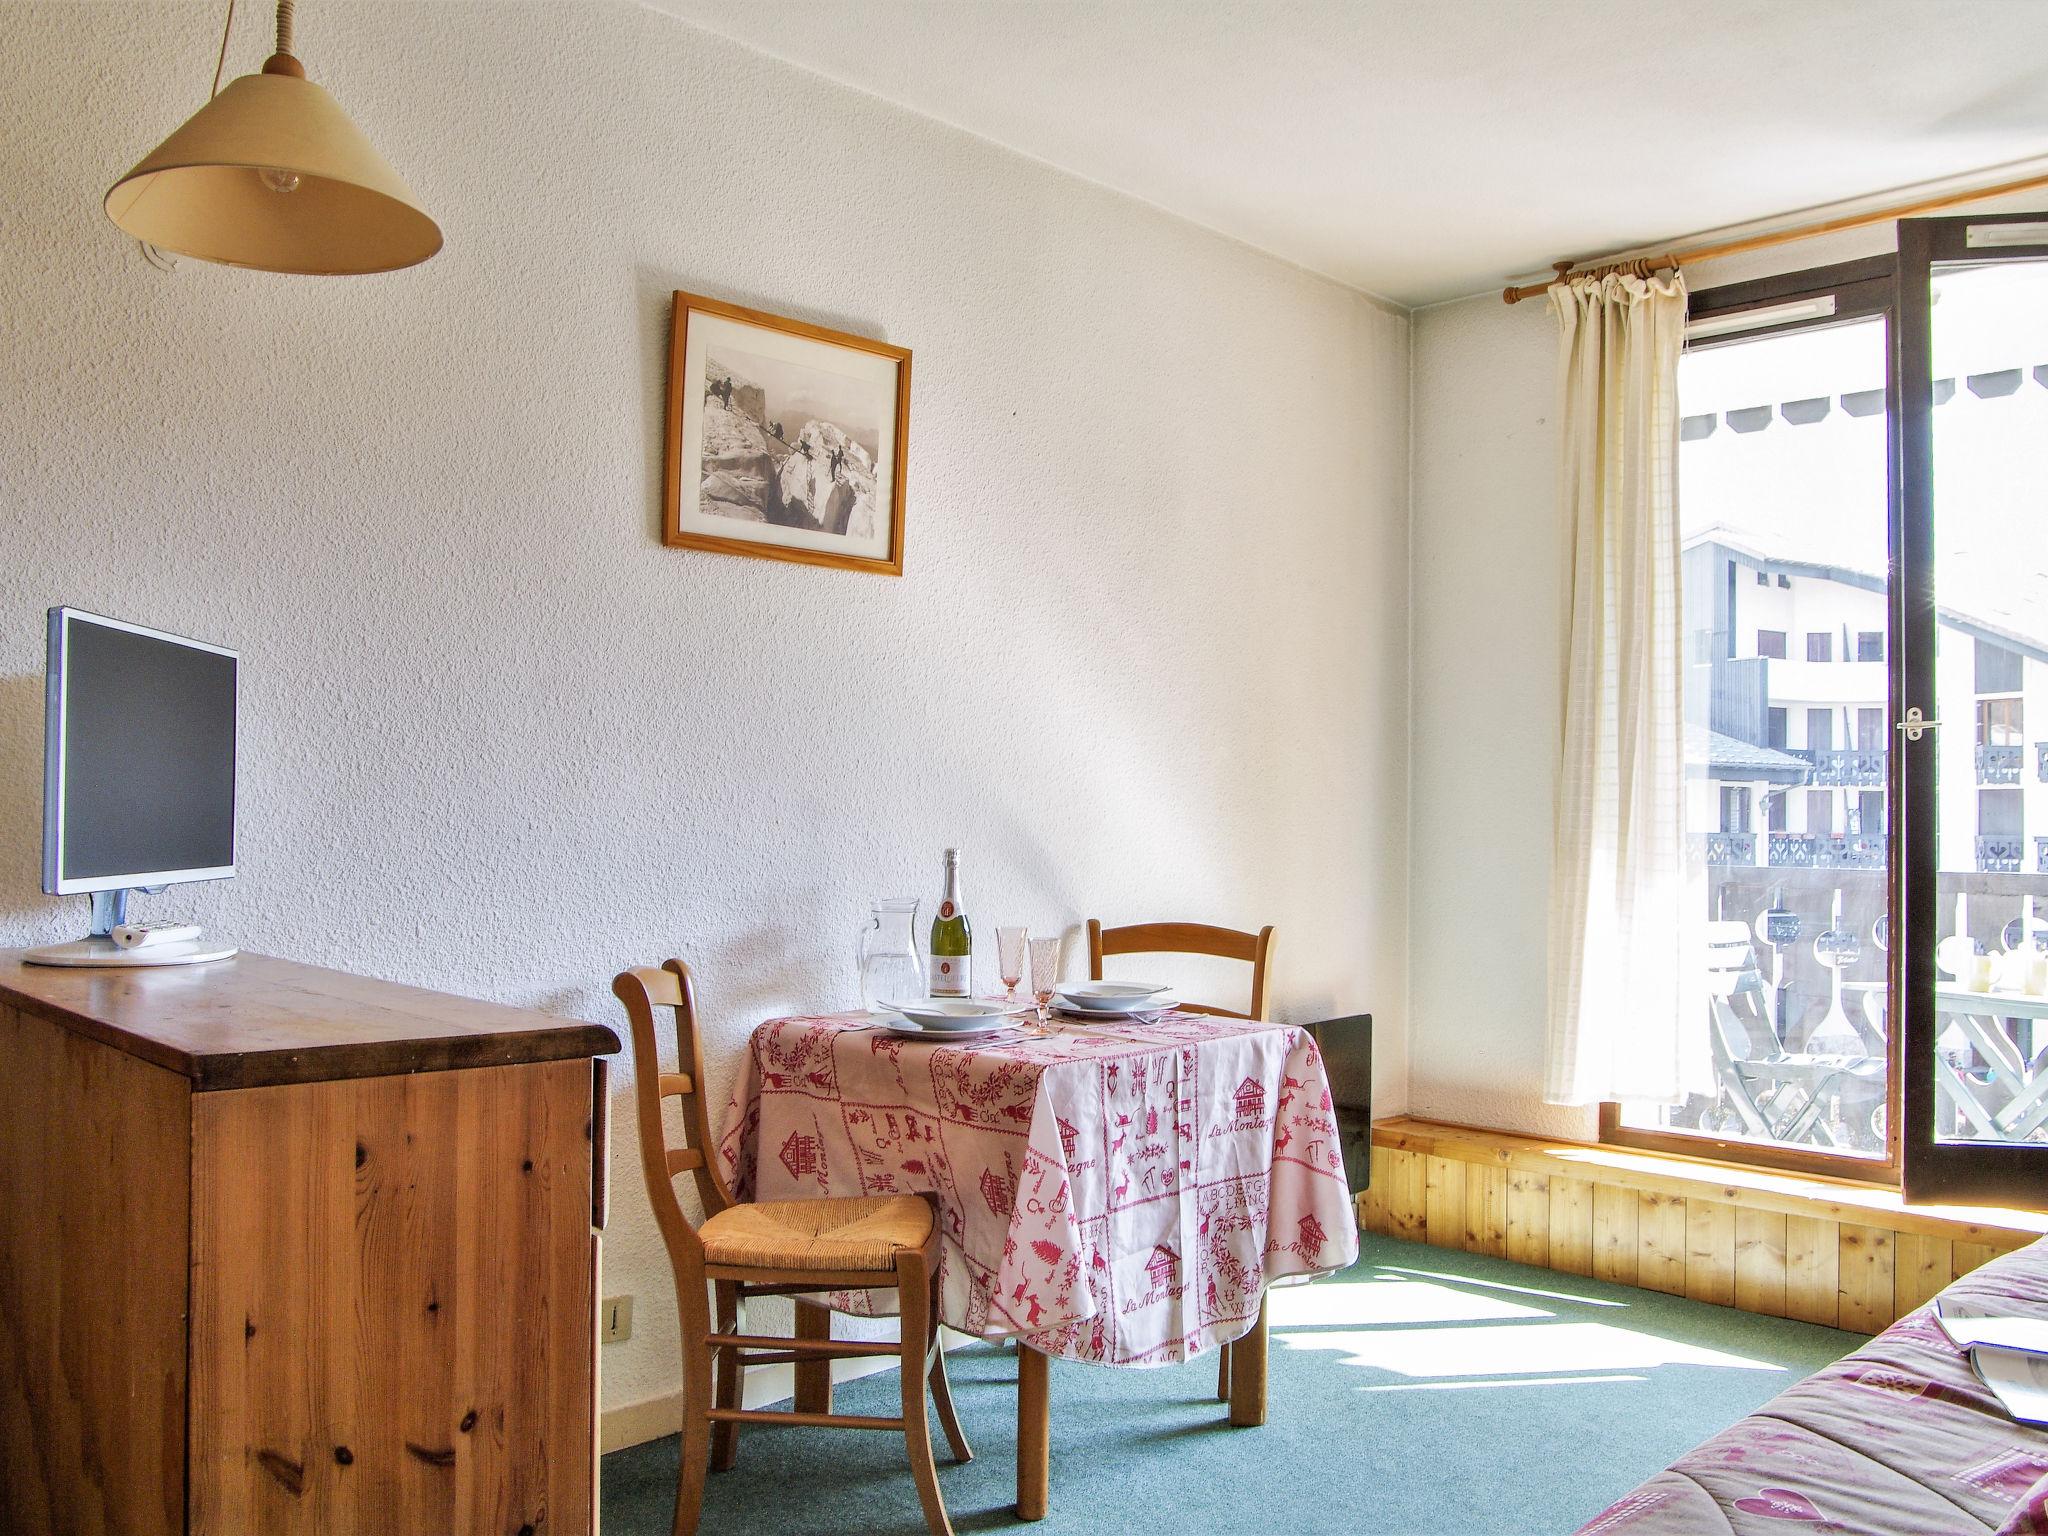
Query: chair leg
point(913, 1283)
point(942, 1397)
point(696, 1426)
point(813, 1377)
point(725, 1437)
point(1223, 1374)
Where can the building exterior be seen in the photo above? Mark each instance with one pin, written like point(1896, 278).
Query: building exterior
point(1788, 720)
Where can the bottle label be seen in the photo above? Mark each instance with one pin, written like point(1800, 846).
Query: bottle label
point(949, 975)
point(946, 909)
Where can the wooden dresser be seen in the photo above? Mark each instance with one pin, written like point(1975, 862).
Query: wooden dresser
point(288, 1250)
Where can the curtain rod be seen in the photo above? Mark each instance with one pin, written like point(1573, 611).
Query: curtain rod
point(1775, 237)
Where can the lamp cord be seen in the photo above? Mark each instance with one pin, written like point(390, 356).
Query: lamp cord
point(284, 26)
point(221, 63)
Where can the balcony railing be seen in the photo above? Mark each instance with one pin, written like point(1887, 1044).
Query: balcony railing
point(1998, 765)
point(2041, 855)
point(1847, 767)
point(1731, 847)
point(1812, 850)
point(2000, 854)
point(2041, 760)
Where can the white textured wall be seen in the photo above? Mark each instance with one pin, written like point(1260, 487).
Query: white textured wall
point(1484, 706)
point(1484, 610)
point(499, 741)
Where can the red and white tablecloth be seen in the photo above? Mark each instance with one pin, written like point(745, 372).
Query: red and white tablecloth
point(1119, 1194)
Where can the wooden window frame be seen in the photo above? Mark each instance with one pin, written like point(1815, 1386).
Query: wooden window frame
point(1862, 290)
point(1962, 1172)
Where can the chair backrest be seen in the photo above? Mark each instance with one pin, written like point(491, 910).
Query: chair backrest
point(1187, 939)
point(1729, 957)
point(644, 990)
point(1732, 977)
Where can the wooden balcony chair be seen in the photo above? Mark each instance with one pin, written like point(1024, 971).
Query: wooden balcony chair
point(1224, 944)
point(775, 1248)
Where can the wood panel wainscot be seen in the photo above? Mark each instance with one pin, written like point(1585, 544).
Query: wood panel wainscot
point(1820, 1250)
point(286, 1250)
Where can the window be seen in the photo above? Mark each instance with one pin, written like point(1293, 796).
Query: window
point(2000, 722)
point(1786, 800)
point(1972, 632)
point(1998, 813)
point(1899, 515)
point(1820, 730)
point(1820, 812)
point(1734, 808)
point(1998, 669)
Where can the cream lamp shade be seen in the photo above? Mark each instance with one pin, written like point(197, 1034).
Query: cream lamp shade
point(272, 174)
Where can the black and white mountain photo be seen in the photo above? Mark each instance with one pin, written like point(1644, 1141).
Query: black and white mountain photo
point(791, 445)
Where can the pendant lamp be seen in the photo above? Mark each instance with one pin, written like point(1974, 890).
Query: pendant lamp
point(272, 174)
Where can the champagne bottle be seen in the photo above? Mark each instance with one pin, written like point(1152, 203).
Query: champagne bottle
point(952, 949)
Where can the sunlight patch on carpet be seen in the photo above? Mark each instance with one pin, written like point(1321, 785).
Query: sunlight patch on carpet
point(1514, 1349)
point(1507, 1381)
point(1387, 1301)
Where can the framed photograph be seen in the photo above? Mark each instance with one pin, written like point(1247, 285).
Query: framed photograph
point(785, 440)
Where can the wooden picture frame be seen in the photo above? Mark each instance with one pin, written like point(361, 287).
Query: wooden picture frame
point(785, 441)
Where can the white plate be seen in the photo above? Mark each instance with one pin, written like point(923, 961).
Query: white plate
point(1151, 1008)
point(1112, 994)
point(903, 1029)
point(940, 1014)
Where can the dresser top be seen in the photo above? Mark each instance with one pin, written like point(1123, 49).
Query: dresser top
point(256, 1020)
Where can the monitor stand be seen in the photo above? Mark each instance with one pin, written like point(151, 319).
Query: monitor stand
point(109, 911)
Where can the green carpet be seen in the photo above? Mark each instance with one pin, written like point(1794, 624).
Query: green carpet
point(1420, 1391)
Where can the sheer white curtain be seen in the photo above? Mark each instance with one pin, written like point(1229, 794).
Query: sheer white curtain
point(1624, 1018)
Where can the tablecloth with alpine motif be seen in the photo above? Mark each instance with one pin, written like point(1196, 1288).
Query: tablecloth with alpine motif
point(1117, 1192)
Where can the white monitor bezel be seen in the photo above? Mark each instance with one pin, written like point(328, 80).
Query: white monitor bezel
point(55, 685)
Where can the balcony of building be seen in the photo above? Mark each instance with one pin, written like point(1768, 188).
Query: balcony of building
point(1998, 765)
point(1829, 682)
point(1846, 767)
point(1731, 847)
point(2001, 853)
point(1822, 850)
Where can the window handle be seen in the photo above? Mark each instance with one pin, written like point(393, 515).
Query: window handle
point(1916, 725)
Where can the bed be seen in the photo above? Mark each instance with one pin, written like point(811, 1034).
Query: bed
point(1898, 1439)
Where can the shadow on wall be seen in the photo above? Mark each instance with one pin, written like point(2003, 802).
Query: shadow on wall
point(21, 796)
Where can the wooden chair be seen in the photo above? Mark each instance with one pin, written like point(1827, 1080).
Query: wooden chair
point(1187, 939)
point(1224, 944)
point(775, 1248)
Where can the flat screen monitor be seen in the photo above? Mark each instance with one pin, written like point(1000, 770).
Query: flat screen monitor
point(139, 757)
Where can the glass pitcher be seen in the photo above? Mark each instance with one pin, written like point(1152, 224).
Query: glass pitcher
point(886, 953)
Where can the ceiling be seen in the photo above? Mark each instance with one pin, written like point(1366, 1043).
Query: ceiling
point(1424, 151)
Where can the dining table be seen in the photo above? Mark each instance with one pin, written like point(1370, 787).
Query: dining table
point(1119, 1192)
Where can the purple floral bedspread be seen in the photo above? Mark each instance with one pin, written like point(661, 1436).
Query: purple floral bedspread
point(1899, 1439)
